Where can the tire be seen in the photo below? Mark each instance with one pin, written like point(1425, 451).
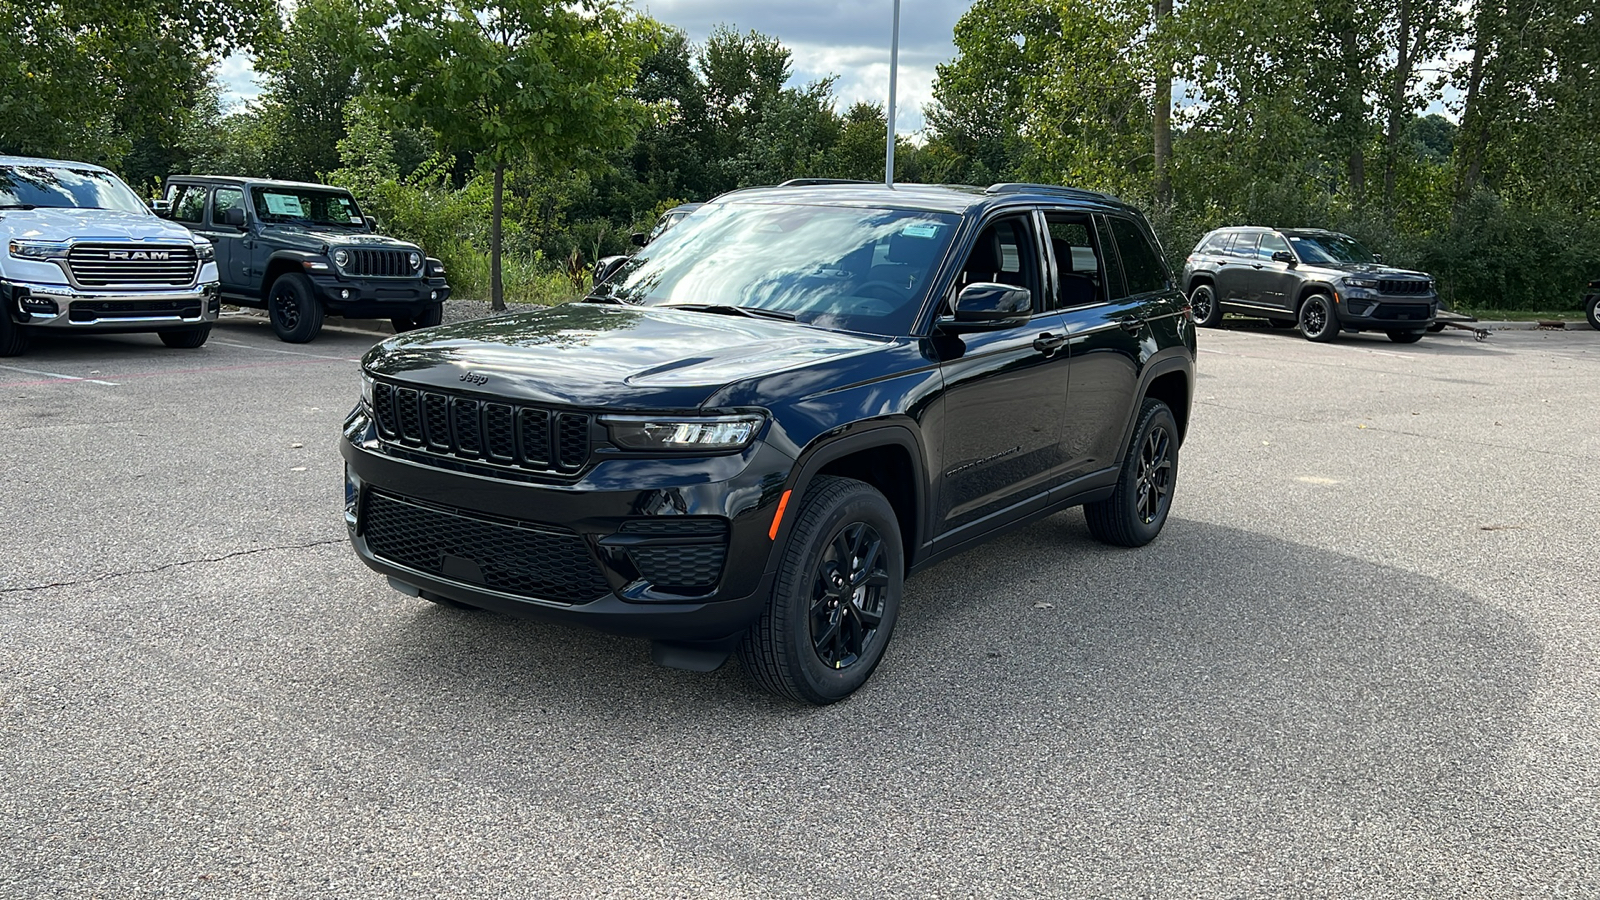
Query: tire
point(815, 643)
point(1406, 337)
point(13, 337)
point(185, 338)
point(1591, 309)
point(293, 309)
point(1134, 513)
point(1203, 301)
point(1318, 321)
point(430, 317)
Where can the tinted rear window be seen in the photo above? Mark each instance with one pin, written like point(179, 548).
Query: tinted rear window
point(1140, 264)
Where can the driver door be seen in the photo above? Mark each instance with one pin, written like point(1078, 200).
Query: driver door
point(1005, 391)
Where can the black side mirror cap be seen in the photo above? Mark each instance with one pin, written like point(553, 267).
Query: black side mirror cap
point(607, 266)
point(1283, 256)
point(639, 238)
point(162, 208)
point(988, 306)
point(233, 217)
point(372, 224)
point(1377, 257)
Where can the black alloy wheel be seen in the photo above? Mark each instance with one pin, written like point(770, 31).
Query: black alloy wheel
point(1591, 309)
point(1134, 513)
point(848, 596)
point(837, 595)
point(1204, 306)
point(293, 310)
point(1317, 319)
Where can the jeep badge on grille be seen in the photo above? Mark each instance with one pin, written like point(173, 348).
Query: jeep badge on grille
point(475, 378)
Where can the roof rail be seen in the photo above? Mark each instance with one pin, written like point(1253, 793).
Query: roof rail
point(809, 182)
point(1023, 187)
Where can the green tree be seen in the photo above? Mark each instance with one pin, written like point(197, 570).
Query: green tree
point(515, 81)
point(310, 73)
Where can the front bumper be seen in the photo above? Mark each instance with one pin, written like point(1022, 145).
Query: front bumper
point(1375, 312)
point(636, 523)
point(59, 306)
point(379, 297)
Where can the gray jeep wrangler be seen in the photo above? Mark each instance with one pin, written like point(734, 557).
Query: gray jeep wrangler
point(302, 251)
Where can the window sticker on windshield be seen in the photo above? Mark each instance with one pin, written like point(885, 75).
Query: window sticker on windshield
point(284, 205)
point(356, 220)
point(921, 230)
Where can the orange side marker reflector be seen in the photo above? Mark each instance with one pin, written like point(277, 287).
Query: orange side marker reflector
point(777, 518)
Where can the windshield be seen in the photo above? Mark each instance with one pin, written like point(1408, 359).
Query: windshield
point(1329, 248)
point(849, 269)
point(62, 187)
point(306, 206)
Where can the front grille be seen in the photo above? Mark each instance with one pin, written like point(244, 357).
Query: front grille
point(519, 558)
point(1399, 286)
point(692, 566)
point(380, 264)
point(1403, 311)
point(101, 310)
point(102, 265)
point(528, 437)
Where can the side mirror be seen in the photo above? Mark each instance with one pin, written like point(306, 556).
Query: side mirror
point(607, 266)
point(372, 224)
point(233, 217)
point(1377, 257)
point(1283, 256)
point(162, 208)
point(986, 306)
point(639, 238)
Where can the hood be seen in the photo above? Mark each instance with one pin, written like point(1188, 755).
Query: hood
point(335, 237)
point(1378, 269)
point(619, 357)
point(90, 225)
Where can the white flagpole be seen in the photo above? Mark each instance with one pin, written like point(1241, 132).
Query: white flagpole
point(894, 71)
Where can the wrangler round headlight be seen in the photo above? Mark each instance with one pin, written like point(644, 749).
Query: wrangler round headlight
point(341, 258)
point(415, 259)
point(683, 433)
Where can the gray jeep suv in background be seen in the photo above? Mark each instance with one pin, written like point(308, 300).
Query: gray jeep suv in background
point(1322, 281)
point(301, 251)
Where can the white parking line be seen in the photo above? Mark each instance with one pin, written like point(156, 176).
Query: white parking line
point(60, 376)
point(287, 352)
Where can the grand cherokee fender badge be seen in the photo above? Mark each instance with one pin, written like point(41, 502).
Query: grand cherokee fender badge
point(476, 378)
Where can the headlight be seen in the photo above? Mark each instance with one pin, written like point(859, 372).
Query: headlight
point(341, 258)
point(37, 249)
point(205, 251)
point(683, 433)
point(1369, 283)
point(415, 259)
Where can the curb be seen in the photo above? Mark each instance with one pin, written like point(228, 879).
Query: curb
point(1566, 325)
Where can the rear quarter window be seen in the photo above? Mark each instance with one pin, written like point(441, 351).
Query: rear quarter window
point(1140, 265)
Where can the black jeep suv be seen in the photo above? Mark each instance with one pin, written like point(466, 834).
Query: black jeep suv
point(1323, 281)
point(301, 251)
point(755, 428)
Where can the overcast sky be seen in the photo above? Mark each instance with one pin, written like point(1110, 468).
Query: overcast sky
point(846, 39)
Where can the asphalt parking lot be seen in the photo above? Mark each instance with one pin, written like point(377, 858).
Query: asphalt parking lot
point(1362, 660)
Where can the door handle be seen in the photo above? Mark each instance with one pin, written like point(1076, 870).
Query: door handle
point(1048, 343)
point(1131, 324)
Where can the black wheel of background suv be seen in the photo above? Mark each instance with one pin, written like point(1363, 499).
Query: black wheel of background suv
point(13, 337)
point(1406, 337)
point(1134, 513)
point(185, 338)
point(1591, 309)
point(1318, 322)
point(837, 596)
point(430, 317)
point(1203, 300)
point(293, 309)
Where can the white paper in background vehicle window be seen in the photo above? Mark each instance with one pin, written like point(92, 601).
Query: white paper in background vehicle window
point(921, 230)
point(284, 205)
point(355, 220)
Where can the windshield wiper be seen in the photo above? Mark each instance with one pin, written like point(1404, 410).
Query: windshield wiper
point(753, 312)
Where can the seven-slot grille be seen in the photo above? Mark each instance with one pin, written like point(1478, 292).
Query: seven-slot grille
point(381, 264)
point(468, 428)
point(1403, 286)
point(542, 562)
point(102, 265)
